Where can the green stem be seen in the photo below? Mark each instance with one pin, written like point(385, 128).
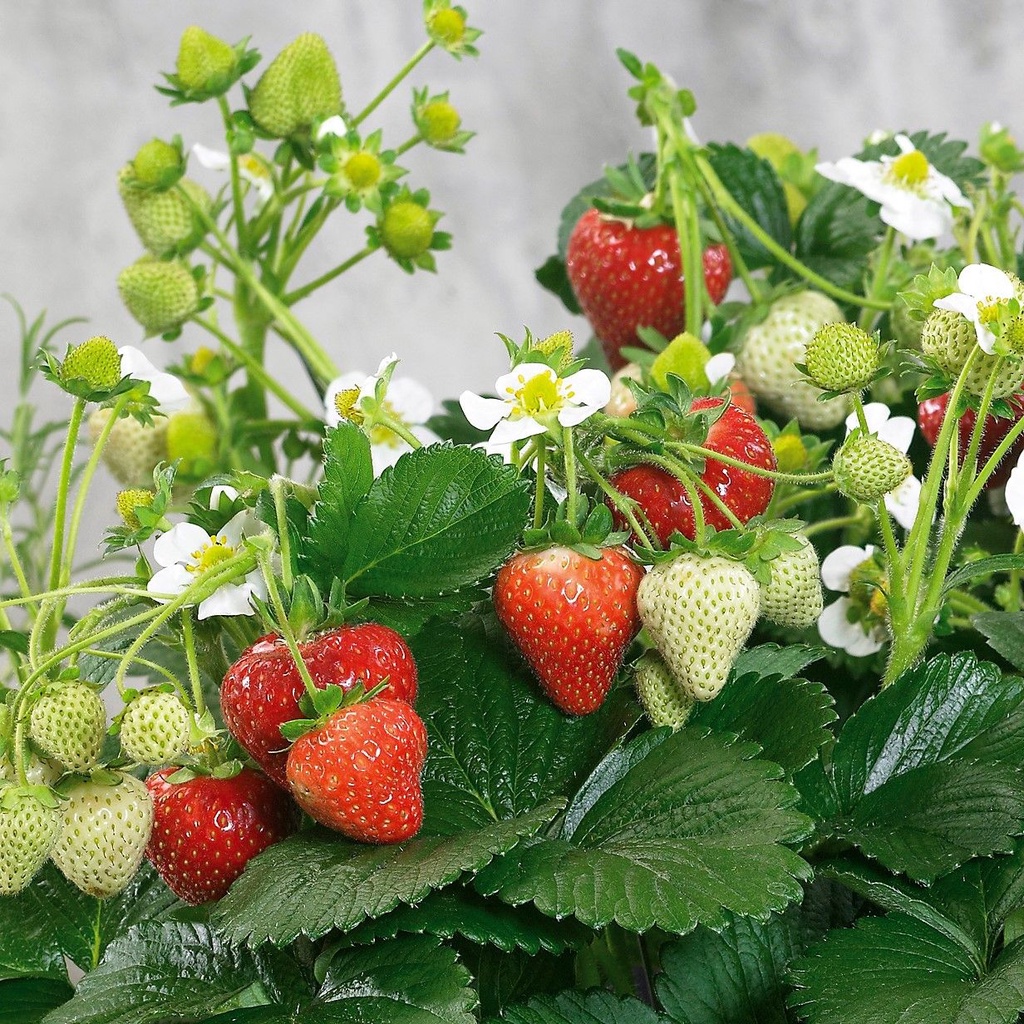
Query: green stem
point(307, 289)
point(402, 73)
point(836, 523)
point(284, 626)
point(622, 503)
point(408, 144)
point(276, 485)
point(236, 183)
point(188, 642)
point(15, 560)
point(728, 460)
point(572, 489)
point(541, 488)
point(739, 264)
point(880, 276)
point(1013, 605)
point(688, 233)
point(63, 485)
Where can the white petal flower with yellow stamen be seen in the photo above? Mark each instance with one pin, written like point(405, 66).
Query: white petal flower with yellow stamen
point(836, 625)
point(251, 168)
point(916, 199)
point(186, 552)
point(532, 398)
point(164, 388)
point(983, 296)
point(406, 401)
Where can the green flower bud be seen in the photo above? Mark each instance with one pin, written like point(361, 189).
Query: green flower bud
point(842, 358)
point(95, 361)
point(205, 63)
point(447, 27)
point(160, 294)
point(438, 122)
point(867, 468)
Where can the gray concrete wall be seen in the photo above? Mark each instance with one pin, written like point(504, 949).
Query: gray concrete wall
point(547, 97)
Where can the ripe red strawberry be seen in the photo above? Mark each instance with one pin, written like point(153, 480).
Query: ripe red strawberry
point(359, 771)
point(207, 829)
point(932, 411)
point(664, 499)
point(572, 617)
point(261, 690)
point(626, 277)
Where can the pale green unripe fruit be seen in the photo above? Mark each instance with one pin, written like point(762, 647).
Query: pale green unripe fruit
point(407, 229)
point(867, 468)
point(663, 698)
point(204, 61)
point(841, 357)
point(96, 361)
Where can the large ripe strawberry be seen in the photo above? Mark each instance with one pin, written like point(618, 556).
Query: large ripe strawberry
point(626, 277)
point(359, 771)
point(932, 411)
point(572, 617)
point(261, 690)
point(207, 829)
point(664, 499)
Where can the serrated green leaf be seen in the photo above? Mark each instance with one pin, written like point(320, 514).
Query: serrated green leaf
point(12, 640)
point(1005, 634)
point(753, 183)
point(498, 747)
point(773, 660)
point(28, 1000)
point(982, 567)
point(581, 1008)
point(897, 969)
point(689, 831)
point(316, 881)
point(836, 233)
point(926, 773)
point(440, 519)
point(733, 976)
point(460, 911)
point(30, 943)
point(159, 972)
point(788, 718)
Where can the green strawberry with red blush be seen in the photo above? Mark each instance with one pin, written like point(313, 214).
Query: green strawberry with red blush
point(625, 276)
point(261, 690)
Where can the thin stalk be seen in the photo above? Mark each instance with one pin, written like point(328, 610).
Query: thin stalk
point(63, 485)
point(188, 641)
point(284, 626)
point(881, 274)
point(622, 503)
point(307, 289)
point(571, 486)
point(402, 73)
point(283, 537)
point(728, 460)
point(541, 489)
point(236, 183)
point(836, 523)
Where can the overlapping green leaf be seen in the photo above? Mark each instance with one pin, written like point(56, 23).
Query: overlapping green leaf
point(317, 881)
point(159, 973)
point(1005, 634)
point(28, 1000)
point(836, 232)
point(438, 520)
point(677, 830)
point(581, 1008)
point(773, 660)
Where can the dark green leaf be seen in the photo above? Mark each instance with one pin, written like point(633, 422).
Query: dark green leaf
point(505, 979)
point(753, 183)
point(316, 881)
point(1005, 633)
point(897, 969)
point(836, 233)
point(690, 830)
point(982, 567)
point(28, 1000)
point(773, 660)
point(30, 939)
point(440, 519)
point(12, 640)
point(551, 274)
point(581, 1008)
point(735, 976)
point(159, 972)
point(787, 718)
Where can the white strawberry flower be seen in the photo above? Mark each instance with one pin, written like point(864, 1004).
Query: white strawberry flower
point(718, 367)
point(916, 199)
point(903, 502)
point(164, 388)
point(841, 623)
point(984, 297)
point(251, 168)
point(532, 399)
point(1013, 495)
point(186, 551)
point(406, 401)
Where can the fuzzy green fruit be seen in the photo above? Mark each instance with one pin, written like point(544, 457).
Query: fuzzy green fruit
point(68, 723)
point(160, 294)
point(867, 468)
point(96, 361)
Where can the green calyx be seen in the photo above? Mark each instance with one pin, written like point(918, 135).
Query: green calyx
point(867, 468)
point(447, 28)
point(95, 362)
point(585, 530)
point(841, 358)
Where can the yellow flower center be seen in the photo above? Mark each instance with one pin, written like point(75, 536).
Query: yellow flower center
point(911, 168)
point(989, 310)
point(537, 395)
point(201, 359)
point(210, 555)
point(346, 407)
point(253, 167)
point(362, 170)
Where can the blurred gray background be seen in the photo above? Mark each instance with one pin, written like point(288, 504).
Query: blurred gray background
point(547, 98)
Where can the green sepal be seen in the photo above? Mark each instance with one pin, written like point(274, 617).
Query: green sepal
point(10, 795)
point(226, 769)
point(79, 387)
point(151, 517)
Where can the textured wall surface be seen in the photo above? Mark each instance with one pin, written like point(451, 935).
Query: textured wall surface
point(547, 98)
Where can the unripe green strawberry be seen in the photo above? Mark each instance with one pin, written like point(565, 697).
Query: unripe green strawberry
point(438, 122)
point(160, 294)
point(699, 611)
point(133, 450)
point(68, 722)
point(96, 361)
point(205, 63)
point(948, 337)
point(662, 697)
point(155, 728)
point(407, 229)
point(841, 357)
point(447, 27)
point(38, 771)
point(772, 348)
point(191, 442)
point(165, 222)
point(867, 468)
point(793, 597)
point(103, 834)
point(128, 503)
point(905, 329)
point(158, 164)
point(29, 823)
point(300, 85)
point(685, 356)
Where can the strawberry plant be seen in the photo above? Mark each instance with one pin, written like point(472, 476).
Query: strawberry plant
point(536, 710)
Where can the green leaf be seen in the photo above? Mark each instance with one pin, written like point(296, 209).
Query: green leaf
point(441, 518)
point(836, 233)
point(29, 1000)
point(159, 972)
point(753, 183)
point(551, 274)
point(735, 976)
point(12, 640)
point(787, 718)
point(897, 968)
point(982, 567)
point(30, 941)
point(498, 748)
point(925, 775)
point(675, 837)
point(459, 910)
point(1005, 634)
point(316, 881)
point(581, 1008)
point(773, 660)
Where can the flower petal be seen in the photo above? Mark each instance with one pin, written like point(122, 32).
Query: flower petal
point(483, 413)
point(517, 429)
point(334, 125)
point(587, 387)
point(718, 367)
point(171, 580)
point(1014, 494)
point(904, 502)
point(211, 159)
point(178, 543)
point(165, 389)
point(982, 281)
point(898, 431)
point(836, 630)
point(228, 599)
point(410, 399)
point(837, 565)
